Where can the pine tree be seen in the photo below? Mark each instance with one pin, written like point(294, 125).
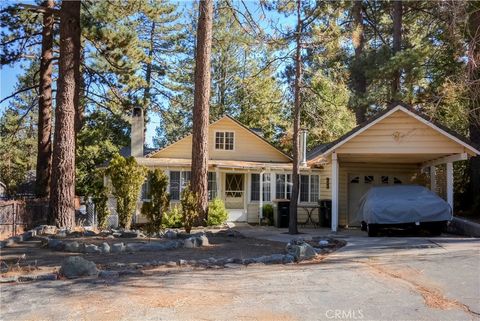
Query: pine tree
point(199, 183)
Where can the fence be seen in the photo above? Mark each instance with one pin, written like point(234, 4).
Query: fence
point(17, 216)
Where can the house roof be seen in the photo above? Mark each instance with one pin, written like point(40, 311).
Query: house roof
point(323, 149)
point(126, 151)
point(212, 121)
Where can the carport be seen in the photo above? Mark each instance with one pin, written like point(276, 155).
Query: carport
point(398, 146)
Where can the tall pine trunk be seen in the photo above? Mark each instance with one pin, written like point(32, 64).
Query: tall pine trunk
point(397, 44)
point(358, 78)
point(201, 106)
point(292, 227)
point(44, 142)
point(62, 195)
point(473, 69)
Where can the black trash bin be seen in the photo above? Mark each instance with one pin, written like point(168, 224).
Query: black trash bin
point(325, 217)
point(283, 214)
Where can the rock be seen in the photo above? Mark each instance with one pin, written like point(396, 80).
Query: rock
point(300, 251)
point(105, 248)
point(92, 248)
point(191, 242)
point(46, 277)
point(159, 246)
point(110, 236)
point(46, 229)
point(323, 243)
point(270, 259)
point(134, 247)
point(288, 259)
point(229, 260)
point(62, 233)
point(108, 274)
point(117, 248)
point(76, 266)
point(182, 262)
point(233, 266)
point(9, 242)
point(139, 266)
point(55, 244)
point(117, 234)
point(72, 247)
point(8, 279)
point(131, 234)
point(171, 264)
point(26, 278)
point(130, 272)
point(203, 262)
point(203, 240)
point(170, 234)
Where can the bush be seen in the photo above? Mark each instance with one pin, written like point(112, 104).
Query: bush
point(267, 211)
point(217, 214)
point(189, 201)
point(159, 200)
point(127, 179)
point(101, 209)
point(172, 218)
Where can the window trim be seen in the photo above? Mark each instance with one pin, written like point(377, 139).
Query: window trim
point(223, 149)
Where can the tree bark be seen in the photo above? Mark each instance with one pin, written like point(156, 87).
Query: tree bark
point(359, 80)
point(473, 70)
point(44, 142)
point(397, 44)
point(292, 227)
point(62, 195)
point(199, 183)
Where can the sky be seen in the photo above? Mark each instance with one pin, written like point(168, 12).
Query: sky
point(8, 74)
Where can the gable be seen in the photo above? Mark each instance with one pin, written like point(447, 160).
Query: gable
point(400, 132)
point(247, 146)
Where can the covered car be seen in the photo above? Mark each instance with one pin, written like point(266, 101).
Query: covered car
point(403, 206)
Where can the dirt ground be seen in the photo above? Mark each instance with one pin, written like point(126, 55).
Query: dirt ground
point(33, 254)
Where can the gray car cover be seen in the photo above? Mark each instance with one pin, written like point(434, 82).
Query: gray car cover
point(402, 204)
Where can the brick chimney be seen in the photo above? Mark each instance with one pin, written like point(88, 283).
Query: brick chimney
point(137, 136)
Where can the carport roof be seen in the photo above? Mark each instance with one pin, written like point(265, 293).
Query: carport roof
point(324, 149)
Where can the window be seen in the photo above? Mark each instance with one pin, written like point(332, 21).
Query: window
point(178, 182)
point(309, 188)
point(368, 179)
point(283, 184)
point(355, 180)
point(224, 140)
point(255, 188)
point(384, 179)
point(396, 181)
point(212, 185)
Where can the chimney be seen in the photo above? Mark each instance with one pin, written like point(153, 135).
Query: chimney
point(303, 147)
point(137, 133)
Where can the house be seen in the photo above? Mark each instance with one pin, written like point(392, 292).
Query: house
point(246, 171)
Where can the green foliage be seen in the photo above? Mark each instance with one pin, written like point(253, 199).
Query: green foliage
point(217, 213)
point(173, 218)
point(127, 178)
point(101, 208)
point(159, 200)
point(267, 211)
point(189, 201)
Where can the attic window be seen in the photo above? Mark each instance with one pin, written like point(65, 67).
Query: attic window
point(224, 140)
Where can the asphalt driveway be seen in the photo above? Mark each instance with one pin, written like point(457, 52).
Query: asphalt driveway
point(370, 279)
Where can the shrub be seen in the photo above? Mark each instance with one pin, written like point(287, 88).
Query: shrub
point(189, 201)
point(217, 214)
point(159, 200)
point(267, 211)
point(101, 208)
point(173, 218)
point(127, 178)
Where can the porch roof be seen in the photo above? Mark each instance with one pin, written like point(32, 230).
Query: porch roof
point(216, 163)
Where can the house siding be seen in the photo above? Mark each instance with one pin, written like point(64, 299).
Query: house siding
point(248, 146)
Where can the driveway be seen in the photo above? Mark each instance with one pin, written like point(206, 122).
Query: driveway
point(369, 279)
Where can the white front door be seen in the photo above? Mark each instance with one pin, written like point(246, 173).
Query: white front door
point(234, 197)
point(359, 184)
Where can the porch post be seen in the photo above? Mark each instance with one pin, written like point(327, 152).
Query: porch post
point(334, 192)
point(260, 203)
point(433, 178)
point(218, 181)
point(450, 184)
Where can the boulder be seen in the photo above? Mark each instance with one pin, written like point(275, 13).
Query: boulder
point(132, 234)
point(105, 247)
point(233, 266)
point(117, 248)
point(72, 247)
point(92, 248)
point(170, 234)
point(288, 259)
point(134, 247)
point(203, 240)
point(270, 259)
point(55, 244)
point(300, 250)
point(191, 242)
point(76, 266)
point(46, 229)
point(182, 262)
